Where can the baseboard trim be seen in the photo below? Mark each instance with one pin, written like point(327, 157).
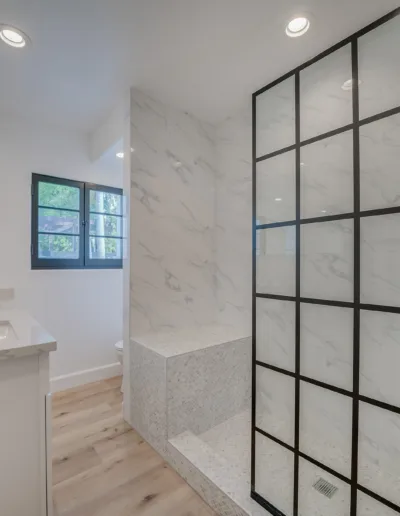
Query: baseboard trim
point(67, 381)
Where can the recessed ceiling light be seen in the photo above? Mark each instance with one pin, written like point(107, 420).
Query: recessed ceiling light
point(323, 211)
point(348, 85)
point(297, 27)
point(120, 155)
point(13, 37)
point(177, 164)
point(278, 199)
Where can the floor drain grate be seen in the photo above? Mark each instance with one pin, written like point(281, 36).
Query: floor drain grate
point(324, 487)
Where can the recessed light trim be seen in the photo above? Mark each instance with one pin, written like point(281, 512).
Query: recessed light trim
point(120, 155)
point(297, 26)
point(348, 85)
point(13, 37)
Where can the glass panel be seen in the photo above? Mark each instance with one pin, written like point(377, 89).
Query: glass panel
point(58, 221)
point(327, 344)
point(367, 506)
point(314, 503)
point(326, 426)
point(105, 225)
point(327, 260)
point(325, 103)
point(379, 162)
point(105, 248)
point(327, 176)
point(275, 404)
point(380, 258)
point(274, 474)
point(276, 189)
point(276, 332)
point(380, 356)
point(276, 260)
point(59, 196)
point(379, 452)
point(104, 202)
point(379, 69)
point(275, 118)
point(58, 247)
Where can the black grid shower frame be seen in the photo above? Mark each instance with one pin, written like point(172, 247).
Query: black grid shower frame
point(356, 305)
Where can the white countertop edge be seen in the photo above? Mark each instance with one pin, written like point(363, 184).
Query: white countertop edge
point(30, 336)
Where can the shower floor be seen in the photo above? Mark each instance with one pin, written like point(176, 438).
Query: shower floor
point(222, 454)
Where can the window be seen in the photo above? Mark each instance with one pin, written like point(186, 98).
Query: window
point(75, 225)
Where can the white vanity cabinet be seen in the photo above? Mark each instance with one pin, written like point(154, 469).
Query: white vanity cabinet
point(25, 417)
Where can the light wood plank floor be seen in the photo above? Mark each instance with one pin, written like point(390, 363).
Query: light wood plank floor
point(101, 467)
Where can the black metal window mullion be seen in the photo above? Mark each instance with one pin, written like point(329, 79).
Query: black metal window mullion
point(356, 279)
point(254, 297)
point(298, 306)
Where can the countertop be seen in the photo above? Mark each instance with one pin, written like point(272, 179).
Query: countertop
point(27, 337)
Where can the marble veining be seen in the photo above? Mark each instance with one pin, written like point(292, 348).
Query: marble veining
point(233, 232)
point(326, 345)
point(380, 255)
point(379, 69)
point(326, 176)
point(380, 356)
point(275, 332)
point(379, 159)
point(173, 172)
point(379, 451)
point(275, 393)
point(324, 105)
point(276, 188)
point(327, 260)
point(276, 261)
point(275, 118)
point(326, 427)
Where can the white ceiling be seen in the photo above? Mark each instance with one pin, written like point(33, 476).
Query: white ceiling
point(204, 56)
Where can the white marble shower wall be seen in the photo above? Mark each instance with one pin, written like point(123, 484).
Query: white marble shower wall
point(234, 221)
point(190, 220)
point(173, 169)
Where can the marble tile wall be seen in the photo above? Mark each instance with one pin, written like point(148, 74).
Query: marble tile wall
point(190, 219)
point(233, 221)
point(173, 169)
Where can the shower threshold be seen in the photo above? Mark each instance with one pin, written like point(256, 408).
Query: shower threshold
point(217, 464)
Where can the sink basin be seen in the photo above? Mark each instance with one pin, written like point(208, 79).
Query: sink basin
point(6, 331)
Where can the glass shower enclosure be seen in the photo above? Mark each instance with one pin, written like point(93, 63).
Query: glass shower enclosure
point(326, 282)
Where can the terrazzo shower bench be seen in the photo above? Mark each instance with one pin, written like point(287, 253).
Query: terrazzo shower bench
point(190, 399)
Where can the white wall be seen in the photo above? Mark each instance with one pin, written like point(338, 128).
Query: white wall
point(81, 308)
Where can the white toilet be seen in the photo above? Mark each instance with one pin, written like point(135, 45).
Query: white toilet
point(119, 348)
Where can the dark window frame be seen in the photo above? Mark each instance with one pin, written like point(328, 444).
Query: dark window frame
point(84, 261)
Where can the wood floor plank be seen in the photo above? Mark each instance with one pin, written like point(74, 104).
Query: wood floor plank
point(102, 467)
